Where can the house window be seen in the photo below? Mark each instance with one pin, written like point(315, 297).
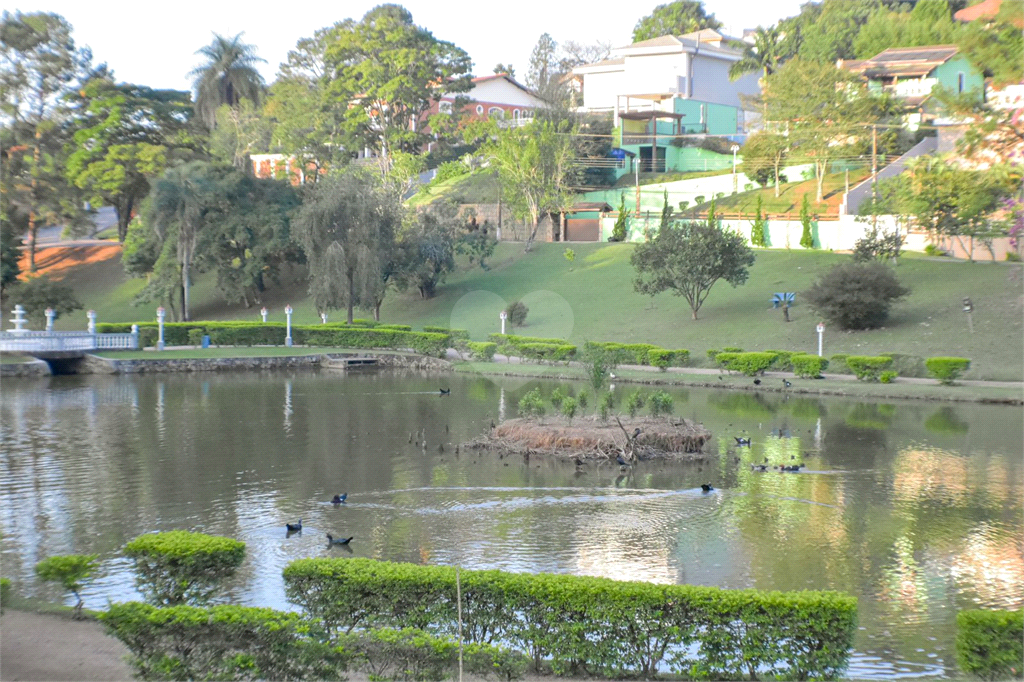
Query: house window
point(496, 112)
point(515, 114)
point(960, 81)
point(445, 107)
point(479, 108)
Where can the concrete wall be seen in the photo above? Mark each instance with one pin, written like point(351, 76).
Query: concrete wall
point(948, 76)
point(711, 82)
point(512, 229)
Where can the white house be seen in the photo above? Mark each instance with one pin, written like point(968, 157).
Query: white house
point(671, 74)
point(499, 96)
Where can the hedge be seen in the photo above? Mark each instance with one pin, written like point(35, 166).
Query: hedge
point(867, 367)
point(453, 333)
point(483, 350)
point(177, 567)
point(513, 340)
point(221, 643)
point(628, 353)
point(808, 366)
point(947, 370)
point(838, 363)
point(590, 626)
point(783, 360)
point(989, 644)
point(555, 352)
point(750, 364)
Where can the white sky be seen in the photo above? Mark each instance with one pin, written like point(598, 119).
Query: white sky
point(154, 44)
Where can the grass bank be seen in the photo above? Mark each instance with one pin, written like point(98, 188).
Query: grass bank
point(593, 299)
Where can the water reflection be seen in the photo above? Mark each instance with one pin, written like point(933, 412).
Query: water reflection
point(894, 504)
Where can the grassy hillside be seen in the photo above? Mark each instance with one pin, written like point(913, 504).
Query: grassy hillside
point(475, 188)
point(595, 301)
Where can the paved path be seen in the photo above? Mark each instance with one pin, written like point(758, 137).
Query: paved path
point(54, 647)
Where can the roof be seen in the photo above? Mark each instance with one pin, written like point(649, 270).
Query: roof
point(902, 61)
point(590, 206)
point(505, 76)
point(983, 10)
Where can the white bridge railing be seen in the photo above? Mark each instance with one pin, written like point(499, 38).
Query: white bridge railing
point(25, 341)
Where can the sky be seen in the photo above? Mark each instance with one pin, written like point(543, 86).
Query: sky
point(154, 44)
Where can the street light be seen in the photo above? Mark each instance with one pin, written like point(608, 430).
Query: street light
point(288, 332)
point(735, 180)
point(160, 315)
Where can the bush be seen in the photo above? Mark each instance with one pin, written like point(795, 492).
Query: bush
point(933, 250)
point(808, 366)
point(70, 571)
point(660, 402)
point(732, 349)
point(856, 295)
point(947, 370)
point(750, 364)
point(532, 404)
point(195, 337)
point(888, 376)
point(634, 403)
point(553, 352)
point(838, 363)
point(455, 334)
point(483, 350)
point(582, 624)
point(619, 230)
point(878, 246)
point(5, 592)
point(660, 358)
point(783, 361)
point(597, 364)
point(221, 643)
point(179, 567)
point(582, 399)
point(988, 644)
point(606, 405)
point(486, 660)
point(406, 654)
point(868, 368)
point(627, 353)
point(517, 312)
point(907, 365)
point(449, 170)
point(557, 396)
point(569, 408)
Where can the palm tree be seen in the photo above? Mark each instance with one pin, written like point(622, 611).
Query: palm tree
point(765, 54)
point(228, 76)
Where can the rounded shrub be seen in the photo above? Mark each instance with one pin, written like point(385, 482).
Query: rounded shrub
point(989, 644)
point(808, 366)
point(856, 295)
point(179, 567)
point(947, 370)
point(483, 350)
point(867, 367)
point(660, 402)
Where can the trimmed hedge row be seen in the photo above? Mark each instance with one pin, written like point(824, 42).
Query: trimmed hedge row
point(591, 626)
point(808, 366)
point(868, 367)
point(455, 334)
point(989, 644)
point(553, 352)
point(483, 350)
point(750, 364)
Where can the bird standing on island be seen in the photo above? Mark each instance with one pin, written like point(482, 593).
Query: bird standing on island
point(786, 383)
point(292, 527)
point(445, 391)
point(339, 499)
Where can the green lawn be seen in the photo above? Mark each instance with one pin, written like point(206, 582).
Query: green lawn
point(595, 301)
point(475, 188)
point(791, 196)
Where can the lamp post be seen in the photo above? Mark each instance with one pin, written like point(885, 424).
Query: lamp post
point(160, 315)
point(323, 318)
point(503, 316)
point(92, 321)
point(288, 326)
point(50, 314)
point(821, 331)
point(735, 179)
point(969, 308)
point(263, 313)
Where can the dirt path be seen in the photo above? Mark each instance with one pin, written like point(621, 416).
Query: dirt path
point(52, 647)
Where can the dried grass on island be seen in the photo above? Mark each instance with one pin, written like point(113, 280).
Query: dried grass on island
point(588, 438)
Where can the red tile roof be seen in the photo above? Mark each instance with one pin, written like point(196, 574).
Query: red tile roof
point(983, 10)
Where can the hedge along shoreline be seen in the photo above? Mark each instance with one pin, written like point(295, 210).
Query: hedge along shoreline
point(590, 626)
point(990, 644)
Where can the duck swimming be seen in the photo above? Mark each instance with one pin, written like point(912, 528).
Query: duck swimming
point(292, 527)
point(339, 499)
point(339, 541)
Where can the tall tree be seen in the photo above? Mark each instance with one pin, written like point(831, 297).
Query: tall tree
point(536, 168)
point(688, 258)
point(38, 64)
point(764, 55)
point(10, 254)
point(126, 136)
point(240, 131)
point(675, 18)
point(228, 76)
point(385, 73)
point(824, 109)
point(830, 34)
point(543, 74)
point(763, 154)
point(428, 244)
point(347, 227)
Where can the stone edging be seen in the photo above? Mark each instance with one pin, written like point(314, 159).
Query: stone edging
point(33, 368)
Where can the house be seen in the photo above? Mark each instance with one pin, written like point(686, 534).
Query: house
point(911, 73)
point(661, 89)
point(498, 95)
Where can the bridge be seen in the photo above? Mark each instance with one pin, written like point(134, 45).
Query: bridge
point(62, 351)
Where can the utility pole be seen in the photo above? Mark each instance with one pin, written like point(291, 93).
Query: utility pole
point(636, 167)
point(874, 176)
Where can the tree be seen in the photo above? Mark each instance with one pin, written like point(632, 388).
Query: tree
point(757, 236)
point(126, 136)
point(619, 229)
point(239, 131)
point(10, 254)
point(543, 69)
point(763, 154)
point(385, 73)
point(689, 258)
point(429, 245)
point(675, 18)
point(70, 571)
point(505, 68)
point(36, 294)
point(824, 108)
point(827, 34)
point(346, 226)
point(765, 54)
point(856, 295)
point(179, 213)
point(806, 237)
point(228, 76)
point(536, 167)
point(38, 64)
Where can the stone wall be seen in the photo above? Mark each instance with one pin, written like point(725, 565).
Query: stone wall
point(93, 364)
point(34, 368)
point(512, 230)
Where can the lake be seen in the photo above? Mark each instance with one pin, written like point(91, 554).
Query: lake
point(914, 507)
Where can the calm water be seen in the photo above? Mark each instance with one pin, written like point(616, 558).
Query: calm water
point(913, 507)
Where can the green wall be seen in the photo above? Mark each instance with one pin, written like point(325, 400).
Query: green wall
point(948, 73)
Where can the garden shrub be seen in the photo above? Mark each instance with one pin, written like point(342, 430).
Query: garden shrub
point(808, 366)
point(660, 358)
point(517, 312)
point(751, 364)
point(989, 644)
point(947, 370)
point(449, 170)
point(553, 352)
point(557, 396)
point(590, 626)
point(856, 295)
point(783, 360)
point(838, 363)
point(532, 404)
point(487, 659)
point(195, 336)
point(888, 376)
point(222, 643)
point(606, 405)
point(483, 350)
point(732, 349)
point(627, 353)
point(569, 408)
point(582, 399)
point(453, 333)
point(660, 402)
point(868, 368)
point(907, 365)
point(713, 354)
point(70, 571)
point(680, 357)
point(180, 567)
point(5, 592)
point(406, 654)
point(635, 402)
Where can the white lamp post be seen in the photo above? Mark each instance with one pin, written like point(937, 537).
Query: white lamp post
point(92, 321)
point(323, 318)
point(503, 316)
point(821, 331)
point(263, 312)
point(735, 180)
point(50, 315)
point(288, 326)
point(160, 315)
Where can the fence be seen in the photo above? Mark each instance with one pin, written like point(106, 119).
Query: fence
point(65, 341)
